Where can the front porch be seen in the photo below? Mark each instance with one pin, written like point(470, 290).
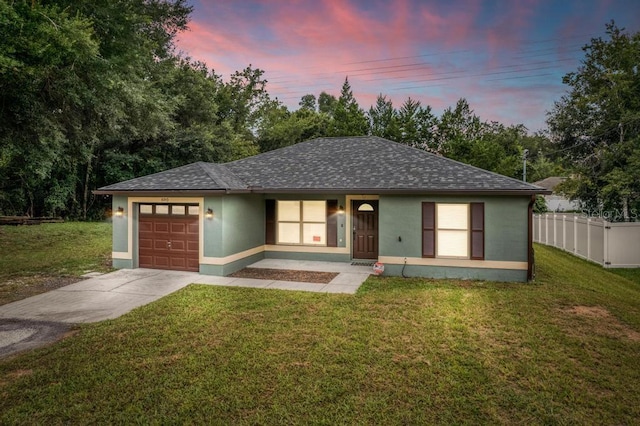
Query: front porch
point(348, 280)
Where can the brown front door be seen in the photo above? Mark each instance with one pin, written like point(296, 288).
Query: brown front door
point(169, 241)
point(365, 229)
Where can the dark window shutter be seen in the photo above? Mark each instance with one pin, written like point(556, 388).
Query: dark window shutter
point(332, 223)
point(477, 231)
point(270, 222)
point(429, 229)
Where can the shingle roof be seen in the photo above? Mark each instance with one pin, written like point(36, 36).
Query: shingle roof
point(333, 164)
point(551, 182)
point(195, 176)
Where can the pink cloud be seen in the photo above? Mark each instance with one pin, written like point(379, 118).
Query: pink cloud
point(438, 49)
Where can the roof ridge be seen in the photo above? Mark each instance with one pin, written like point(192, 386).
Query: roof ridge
point(217, 177)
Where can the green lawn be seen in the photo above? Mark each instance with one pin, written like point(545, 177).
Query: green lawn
point(38, 258)
point(564, 350)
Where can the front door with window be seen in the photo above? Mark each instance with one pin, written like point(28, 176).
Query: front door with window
point(365, 229)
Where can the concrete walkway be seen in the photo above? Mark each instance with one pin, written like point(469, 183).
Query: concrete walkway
point(114, 294)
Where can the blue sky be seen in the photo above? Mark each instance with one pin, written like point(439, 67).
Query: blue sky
point(507, 58)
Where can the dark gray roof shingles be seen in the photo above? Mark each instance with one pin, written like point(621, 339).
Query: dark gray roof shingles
point(333, 164)
point(195, 176)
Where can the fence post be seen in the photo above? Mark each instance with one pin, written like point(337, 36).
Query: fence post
point(589, 238)
point(605, 240)
point(546, 228)
point(575, 233)
point(564, 232)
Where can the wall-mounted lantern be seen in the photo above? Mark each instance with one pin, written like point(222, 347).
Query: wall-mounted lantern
point(340, 210)
point(120, 212)
point(209, 214)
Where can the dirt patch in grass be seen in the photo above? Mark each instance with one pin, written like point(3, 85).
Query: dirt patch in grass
point(21, 287)
point(286, 275)
point(600, 321)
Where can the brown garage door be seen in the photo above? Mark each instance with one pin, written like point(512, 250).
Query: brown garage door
point(168, 237)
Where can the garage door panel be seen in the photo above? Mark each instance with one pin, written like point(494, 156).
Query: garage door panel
point(161, 261)
point(153, 234)
point(145, 243)
point(177, 245)
point(145, 226)
point(161, 227)
point(145, 261)
point(178, 227)
point(178, 263)
point(160, 244)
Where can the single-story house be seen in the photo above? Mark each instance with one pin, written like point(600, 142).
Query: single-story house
point(344, 199)
point(555, 201)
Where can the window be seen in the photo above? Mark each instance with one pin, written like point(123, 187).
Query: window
point(170, 209)
point(146, 209)
point(453, 230)
point(302, 222)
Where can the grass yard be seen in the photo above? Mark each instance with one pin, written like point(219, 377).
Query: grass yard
point(39, 258)
point(564, 350)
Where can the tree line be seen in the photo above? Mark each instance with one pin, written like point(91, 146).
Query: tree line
point(94, 92)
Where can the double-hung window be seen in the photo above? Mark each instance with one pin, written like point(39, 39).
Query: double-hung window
point(453, 230)
point(302, 222)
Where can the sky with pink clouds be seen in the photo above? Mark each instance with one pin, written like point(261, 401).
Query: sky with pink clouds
point(507, 58)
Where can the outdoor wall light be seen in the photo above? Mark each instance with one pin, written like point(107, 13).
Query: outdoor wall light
point(120, 212)
point(340, 210)
point(209, 214)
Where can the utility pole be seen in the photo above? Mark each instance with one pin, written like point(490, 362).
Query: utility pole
point(524, 164)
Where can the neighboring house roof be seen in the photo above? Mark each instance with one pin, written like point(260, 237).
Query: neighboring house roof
point(550, 183)
point(345, 164)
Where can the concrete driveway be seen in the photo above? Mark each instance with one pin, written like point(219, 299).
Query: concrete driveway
point(44, 318)
point(99, 298)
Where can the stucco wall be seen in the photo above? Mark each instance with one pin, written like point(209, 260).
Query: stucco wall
point(242, 223)
point(120, 224)
point(506, 230)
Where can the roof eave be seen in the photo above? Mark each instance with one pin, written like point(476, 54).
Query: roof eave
point(171, 192)
point(400, 191)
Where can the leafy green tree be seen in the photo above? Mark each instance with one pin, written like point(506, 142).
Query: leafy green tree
point(417, 125)
point(327, 103)
point(43, 65)
point(458, 129)
point(596, 124)
point(348, 118)
point(308, 102)
point(383, 119)
point(281, 128)
point(78, 75)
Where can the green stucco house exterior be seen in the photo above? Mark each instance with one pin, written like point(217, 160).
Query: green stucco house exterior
point(347, 199)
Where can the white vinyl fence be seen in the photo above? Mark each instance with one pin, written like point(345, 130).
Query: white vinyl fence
point(612, 245)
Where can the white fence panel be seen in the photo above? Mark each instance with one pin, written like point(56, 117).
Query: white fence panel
point(582, 240)
point(612, 245)
point(596, 242)
point(623, 245)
